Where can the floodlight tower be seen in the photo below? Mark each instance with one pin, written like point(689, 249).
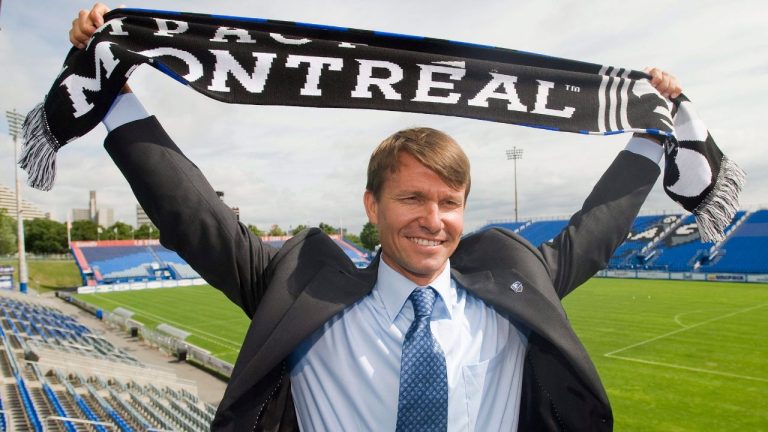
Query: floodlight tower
point(514, 154)
point(15, 120)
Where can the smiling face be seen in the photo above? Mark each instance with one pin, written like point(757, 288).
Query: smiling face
point(420, 219)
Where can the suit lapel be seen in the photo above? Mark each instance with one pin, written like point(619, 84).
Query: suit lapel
point(520, 300)
point(331, 291)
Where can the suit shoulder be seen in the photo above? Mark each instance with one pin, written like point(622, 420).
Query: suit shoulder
point(494, 245)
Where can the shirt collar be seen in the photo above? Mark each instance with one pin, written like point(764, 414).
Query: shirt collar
point(393, 289)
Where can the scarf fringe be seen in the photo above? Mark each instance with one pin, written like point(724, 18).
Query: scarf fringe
point(717, 210)
point(38, 153)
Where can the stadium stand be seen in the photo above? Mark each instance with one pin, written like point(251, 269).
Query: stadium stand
point(59, 376)
point(672, 243)
point(645, 231)
point(360, 257)
point(745, 250)
point(125, 261)
point(542, 231)
point(119, 261)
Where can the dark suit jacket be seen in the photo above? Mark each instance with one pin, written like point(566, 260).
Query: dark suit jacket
point(291, 292)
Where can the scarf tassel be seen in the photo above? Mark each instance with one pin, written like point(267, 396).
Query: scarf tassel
point(38, 153)
point(717, 210)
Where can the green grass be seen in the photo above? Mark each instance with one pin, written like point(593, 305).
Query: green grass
point(214, 322)
point(674, 356)
point(47, 275)
point(678, 356)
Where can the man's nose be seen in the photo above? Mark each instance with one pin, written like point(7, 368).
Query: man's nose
point(430, 218)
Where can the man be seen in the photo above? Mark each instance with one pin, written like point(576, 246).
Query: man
point(439, 333)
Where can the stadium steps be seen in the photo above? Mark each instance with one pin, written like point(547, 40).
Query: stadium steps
point(714, 251)
point(14, 405)
point(42, 404)
point(76, 362)
point(196, 417)
point(135, 419)
point(30, 410)
point(5, 366)
point(137, 401)
point(68, 404)
point(655, 242)
point(83, 409)
point(106, 408)
point(180, 420)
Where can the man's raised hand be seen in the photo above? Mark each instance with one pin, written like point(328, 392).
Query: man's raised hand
point(86, 23)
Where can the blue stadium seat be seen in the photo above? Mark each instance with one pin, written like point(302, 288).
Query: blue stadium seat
point(746, 250)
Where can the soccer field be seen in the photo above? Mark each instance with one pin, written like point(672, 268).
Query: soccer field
point(673, 355)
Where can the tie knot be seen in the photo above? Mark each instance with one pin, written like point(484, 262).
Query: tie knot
point(423, 300)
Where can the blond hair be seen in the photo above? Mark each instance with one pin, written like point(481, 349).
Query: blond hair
point(434, 149)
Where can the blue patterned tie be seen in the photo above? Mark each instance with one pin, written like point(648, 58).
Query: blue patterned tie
point(423, 401)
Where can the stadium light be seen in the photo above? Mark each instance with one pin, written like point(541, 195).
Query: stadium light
point(514, 154)
point(15, 120)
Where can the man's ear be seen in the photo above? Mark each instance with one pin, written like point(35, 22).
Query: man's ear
point(371, 207)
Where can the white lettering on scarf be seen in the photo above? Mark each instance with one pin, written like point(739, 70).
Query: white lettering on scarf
point(542, 95)
point(427, 82)
point(507, 83)
point(242, 35)
point(315, 68)
point(164, 30)
point(226, 64)
point(76, 84)
point(365, 79)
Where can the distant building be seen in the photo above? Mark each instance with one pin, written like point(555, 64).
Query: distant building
point(142, 218)
point(28, 210)
point(101, 216)
point(234, 209)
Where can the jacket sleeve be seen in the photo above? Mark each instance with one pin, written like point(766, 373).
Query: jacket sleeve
point(192, 220)
point(592, 235)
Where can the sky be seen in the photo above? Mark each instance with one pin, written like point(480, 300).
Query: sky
point(292, 166)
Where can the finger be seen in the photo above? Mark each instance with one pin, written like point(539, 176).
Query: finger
point(72, 37)
point(76, 34)
point(655, 74)
point(84, 26)
point(97, 14)
point(675, 87)
point(664, 85)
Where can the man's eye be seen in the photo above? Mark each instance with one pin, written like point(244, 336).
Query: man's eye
point(451, 204)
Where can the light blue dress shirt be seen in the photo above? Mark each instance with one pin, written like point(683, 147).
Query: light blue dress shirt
point(346, 376)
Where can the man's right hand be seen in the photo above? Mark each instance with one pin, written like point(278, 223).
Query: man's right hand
point(85, 25)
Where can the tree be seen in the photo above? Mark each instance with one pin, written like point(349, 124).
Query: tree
point(83, 230)
point(298, 229)
point(369, 236)
point(44, 236)
point(275, 230)
point(255, 230)
point(328, 229)
point(7, 233)
point(118, 231)
point(146, 231)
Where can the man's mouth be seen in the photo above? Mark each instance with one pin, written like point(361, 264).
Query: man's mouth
point(425, 242)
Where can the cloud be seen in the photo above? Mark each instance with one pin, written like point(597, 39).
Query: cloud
point(293, 166)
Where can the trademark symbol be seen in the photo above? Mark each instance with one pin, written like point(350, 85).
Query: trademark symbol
point(572, 88)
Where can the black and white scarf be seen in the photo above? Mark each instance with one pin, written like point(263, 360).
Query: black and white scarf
point(267, 62)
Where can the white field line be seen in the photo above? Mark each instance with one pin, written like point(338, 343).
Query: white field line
point(693, 369)
point(682, 314)
point(226, 342)
point(653, 339)
point(612, 354)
